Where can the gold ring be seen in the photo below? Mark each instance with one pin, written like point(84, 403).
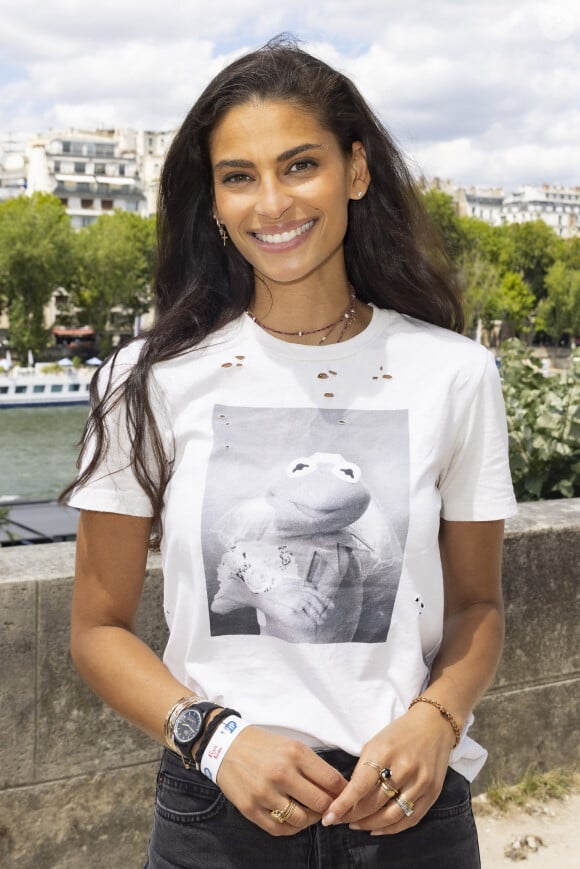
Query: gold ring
point(282, 815)
point(406, 806)
point(373, 764)
point(388, 789)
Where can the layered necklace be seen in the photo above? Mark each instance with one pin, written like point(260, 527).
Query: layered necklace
point(346, 318)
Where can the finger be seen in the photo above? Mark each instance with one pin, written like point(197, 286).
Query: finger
point(361, 785)
point(299, 819)
point(320, 773)
point(391, 818)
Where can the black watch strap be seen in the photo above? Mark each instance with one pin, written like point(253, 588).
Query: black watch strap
point(210, 729)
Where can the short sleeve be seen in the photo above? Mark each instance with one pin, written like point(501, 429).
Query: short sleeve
point(113, 486)
point(476, 484)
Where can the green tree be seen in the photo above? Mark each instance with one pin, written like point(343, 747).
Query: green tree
point(35, 259)
point(114, 266)
point(481, 281)
point(443, 213)
point(529, 249)
point(515, 301)
point(543, 416)
point(559, 312)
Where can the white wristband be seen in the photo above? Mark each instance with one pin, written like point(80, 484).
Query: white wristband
point(211, 760)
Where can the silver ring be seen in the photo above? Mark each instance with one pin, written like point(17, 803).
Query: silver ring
point(406, 806)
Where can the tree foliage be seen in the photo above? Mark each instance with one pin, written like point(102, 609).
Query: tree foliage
point(515, 301)
point(114, 267)
point(559, 312)
point(543, 415)
point(530, 249)
point(35, 259)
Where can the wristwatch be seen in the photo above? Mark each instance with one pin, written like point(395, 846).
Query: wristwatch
point(188, 727)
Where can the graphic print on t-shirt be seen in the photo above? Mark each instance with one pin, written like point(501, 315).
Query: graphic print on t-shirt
point(305, 518)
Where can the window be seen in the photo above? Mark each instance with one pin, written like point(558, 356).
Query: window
point(66, 147)
point(56, 387)
point(38, 387)
point(80, 168)
point(64, 201)
point(3, 390)
point(99, 168)
point(57, 165)
point(20, 390)
point(87, 203)
point(73, 387)
point(102, 150)
point(121, 168)
point(107, 204)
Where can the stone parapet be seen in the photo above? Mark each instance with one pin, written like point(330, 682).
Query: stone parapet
point(77, 783)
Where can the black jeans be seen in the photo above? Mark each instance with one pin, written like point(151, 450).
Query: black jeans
point(196, 827)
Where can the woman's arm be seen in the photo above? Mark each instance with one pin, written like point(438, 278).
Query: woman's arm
point(110, 570)
point(261, 771)
point(417, 746)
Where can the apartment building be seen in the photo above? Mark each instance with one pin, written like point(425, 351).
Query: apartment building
point(557, 206)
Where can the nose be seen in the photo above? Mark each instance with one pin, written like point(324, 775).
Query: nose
point(273, 199)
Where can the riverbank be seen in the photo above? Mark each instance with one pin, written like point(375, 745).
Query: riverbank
point(544, 833)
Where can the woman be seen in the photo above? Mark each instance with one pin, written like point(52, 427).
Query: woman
point(324, 460)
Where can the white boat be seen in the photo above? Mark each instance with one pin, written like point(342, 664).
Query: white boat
point(33, 387)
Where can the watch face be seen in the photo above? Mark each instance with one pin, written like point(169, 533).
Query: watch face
point(188, 725)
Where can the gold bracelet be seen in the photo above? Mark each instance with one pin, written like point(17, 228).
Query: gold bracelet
point(444, 712)
point(172, 715)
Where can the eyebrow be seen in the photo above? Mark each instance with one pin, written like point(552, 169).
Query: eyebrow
point(281, 158)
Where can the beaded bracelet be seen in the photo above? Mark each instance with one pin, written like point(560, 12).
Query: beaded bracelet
point(444, 712)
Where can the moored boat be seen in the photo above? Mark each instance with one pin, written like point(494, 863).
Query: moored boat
point(33, 387)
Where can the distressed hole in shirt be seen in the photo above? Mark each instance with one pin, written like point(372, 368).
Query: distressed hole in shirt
point(387, 376)
point(239, 365)
point(330, 371)
point(342, 422)
point(329, 394)
point(227, 364)
point(240, 357)
point(375, 377)
point(323, 375)
point(222, 416)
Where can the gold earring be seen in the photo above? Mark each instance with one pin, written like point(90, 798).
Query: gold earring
point(221, 229)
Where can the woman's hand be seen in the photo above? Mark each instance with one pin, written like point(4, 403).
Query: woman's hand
point(262, 772)
point(416, 748)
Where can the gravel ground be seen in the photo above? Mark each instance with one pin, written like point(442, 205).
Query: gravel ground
point(544, 834)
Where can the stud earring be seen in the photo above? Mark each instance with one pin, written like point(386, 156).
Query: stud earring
point(221, 229)
point(359, 194)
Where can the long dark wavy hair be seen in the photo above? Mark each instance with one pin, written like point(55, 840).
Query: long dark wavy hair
point(392, 255)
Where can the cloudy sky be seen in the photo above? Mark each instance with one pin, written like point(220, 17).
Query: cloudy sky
point(481, 91)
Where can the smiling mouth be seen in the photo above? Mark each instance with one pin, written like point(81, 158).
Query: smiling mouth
point(282, 237)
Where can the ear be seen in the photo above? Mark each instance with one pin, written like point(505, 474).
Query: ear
point(360, 175)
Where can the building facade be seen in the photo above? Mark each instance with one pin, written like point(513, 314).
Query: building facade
point(557, 206)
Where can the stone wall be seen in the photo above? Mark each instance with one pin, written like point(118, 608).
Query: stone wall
point(77, 783)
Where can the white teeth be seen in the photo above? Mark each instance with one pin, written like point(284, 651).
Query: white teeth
point(280, 237)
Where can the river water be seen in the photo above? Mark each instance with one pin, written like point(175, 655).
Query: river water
point(38, 450)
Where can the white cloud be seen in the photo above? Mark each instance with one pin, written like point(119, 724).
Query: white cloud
point(479, 90)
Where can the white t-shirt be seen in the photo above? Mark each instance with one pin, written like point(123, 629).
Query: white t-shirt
point(303, 581)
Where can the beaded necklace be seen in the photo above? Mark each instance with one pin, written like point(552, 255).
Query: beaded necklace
point(347, 316)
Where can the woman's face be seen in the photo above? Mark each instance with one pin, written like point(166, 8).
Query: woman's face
point(282, 186)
